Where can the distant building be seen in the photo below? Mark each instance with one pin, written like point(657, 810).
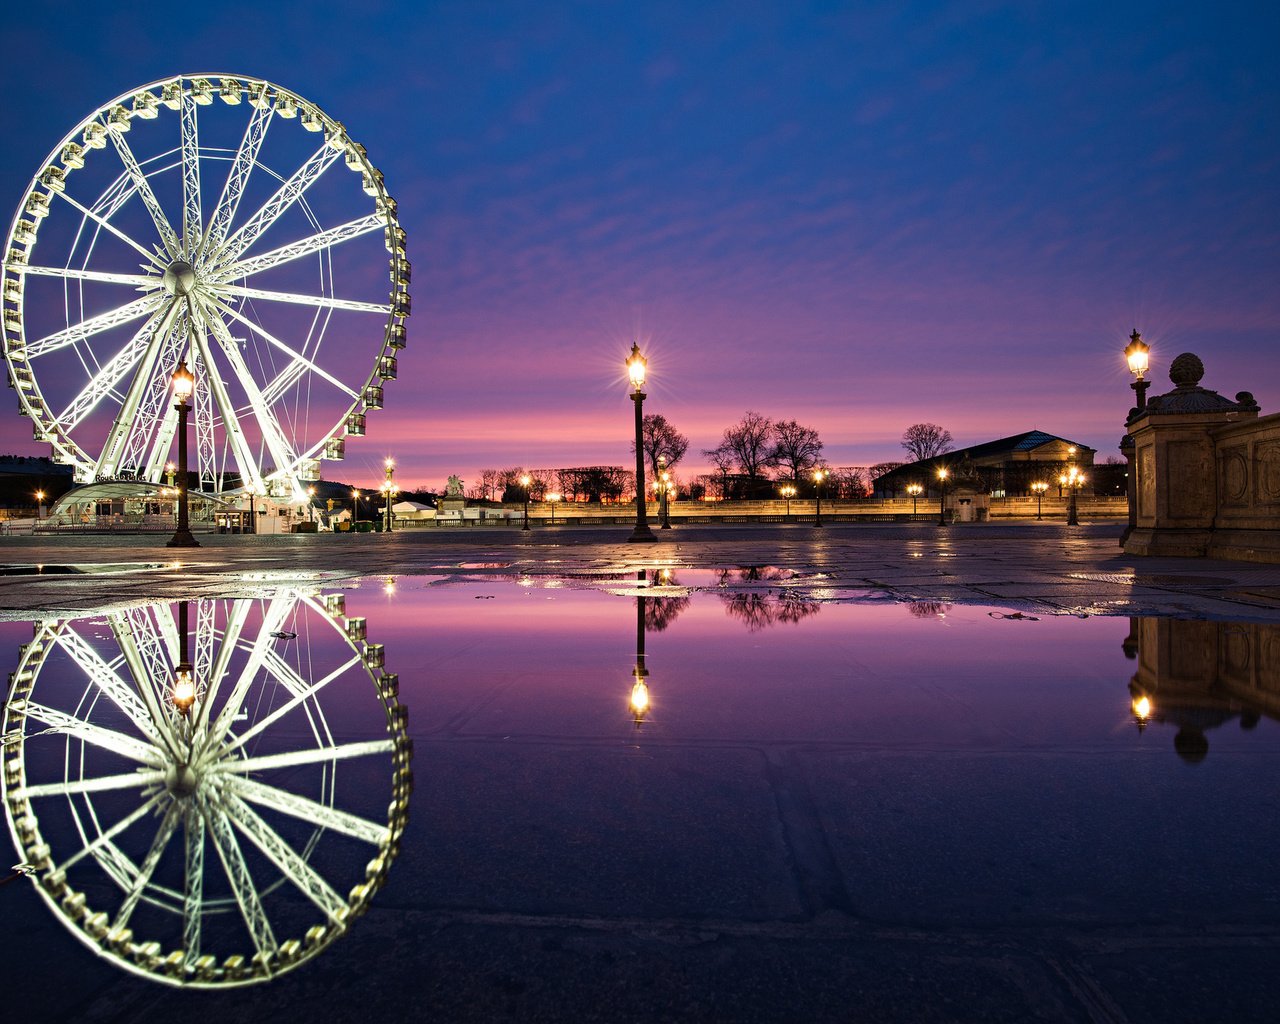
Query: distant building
point(1006, 467)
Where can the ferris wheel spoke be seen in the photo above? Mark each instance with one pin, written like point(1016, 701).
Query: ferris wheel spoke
point(138, 779)
point(153, 258)
point(63, 724)
point(105, 380)
point(293, 759)
point(145, 392)
point(237, 616)
point(237, 871)
point(105, 679)
point(280, 203)
point(249, 471)
point(303, 247)
point(241, 164)
point(149, 666)
point(281, 451)
point(104, 839)
point(322, 301)
point(168, 825)
point(86, 329)
point(306, 809)
point(298, 357)
point(309, 690)
point(145, 193)
point(71, 274)
point(272, 620)
point(192, 225)
point(193, 890)
point(292, 865)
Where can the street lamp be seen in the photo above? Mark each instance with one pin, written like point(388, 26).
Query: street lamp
point(525, 481)
point(253, 508)
point(1072, 480)
point(169, 469)
point(183, 383)
point(1039, 487)
point(311, 503)
point(39, 505)
point(943, 473)
point(788, 491)
point(818, 477)
point(914, 490)
point(636, 365)
point(390, 487)
point(665, 492)
point(1136, 354)
point(552, 498)
point(355, 507)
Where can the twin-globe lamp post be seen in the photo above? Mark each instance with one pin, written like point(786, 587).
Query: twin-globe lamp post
point(636, 366)
point(183, 383)
point(1039, 487)
point(1072, 480)
point(914, 490)
point(788, 491)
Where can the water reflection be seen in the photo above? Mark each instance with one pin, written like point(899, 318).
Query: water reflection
point(759, 609)
point(1196, 676)
point(172, 808)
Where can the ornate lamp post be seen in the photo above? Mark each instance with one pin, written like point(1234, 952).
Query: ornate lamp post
point(355, 507)
point(39, 505)
point(788, 491)
point(1072, 480)
point(914, 490)
point(1136, 355)
point(664, 492)
point(311, 503)
point(1039, 487)
point(390, 487)
point(818, 477)
point(943, 473)
point(183, 382)
point(525, 481)
point(552, 498)
point(169, 469)
point(636, 366)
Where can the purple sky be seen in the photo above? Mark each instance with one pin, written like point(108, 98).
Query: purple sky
point(858, 216)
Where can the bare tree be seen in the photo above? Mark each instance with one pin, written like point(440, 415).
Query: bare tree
point(660, 438)
point(751, 442)
point(925, 440)
point(722, 458)
point(796, 449)
point(488, 483)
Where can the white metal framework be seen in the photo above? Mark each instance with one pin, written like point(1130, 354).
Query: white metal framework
point(223, 844)
point(228, 222)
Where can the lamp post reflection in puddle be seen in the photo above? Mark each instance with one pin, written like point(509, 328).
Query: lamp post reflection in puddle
point(639, 688)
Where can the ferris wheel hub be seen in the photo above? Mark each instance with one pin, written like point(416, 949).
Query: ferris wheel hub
point(181, 779)
point(179, 278)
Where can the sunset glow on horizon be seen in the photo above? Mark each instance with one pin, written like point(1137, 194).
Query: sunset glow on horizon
point(855, 217)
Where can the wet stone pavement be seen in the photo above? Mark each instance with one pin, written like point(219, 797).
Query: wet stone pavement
point(751, 861)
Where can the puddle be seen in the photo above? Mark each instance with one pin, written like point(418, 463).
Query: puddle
point(578, 736)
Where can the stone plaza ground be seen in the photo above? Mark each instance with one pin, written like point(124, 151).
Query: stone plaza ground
point(766, 929)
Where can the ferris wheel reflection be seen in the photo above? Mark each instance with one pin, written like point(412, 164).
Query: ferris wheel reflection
point(171, 808)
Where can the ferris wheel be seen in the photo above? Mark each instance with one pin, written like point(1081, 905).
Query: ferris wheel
point(220, 220)
point(209, 822)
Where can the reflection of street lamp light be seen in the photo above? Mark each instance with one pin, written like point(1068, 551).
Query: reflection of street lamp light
point(1039, 487)
point(943, 473)
point(183, 383)
point(525, 481)
point(552, 498)
point(1136, 355)
point(639, 688)
point(1142, 709)
point(788, 491)
point(636, 366)
point(818, 477)
point(914, 490)
point(183, 694)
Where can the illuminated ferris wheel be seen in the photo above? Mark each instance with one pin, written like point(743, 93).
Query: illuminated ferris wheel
point(220, 220)
point(215, 819)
